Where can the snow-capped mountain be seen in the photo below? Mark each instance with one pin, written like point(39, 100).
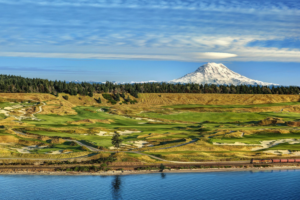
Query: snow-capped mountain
point(219, 74)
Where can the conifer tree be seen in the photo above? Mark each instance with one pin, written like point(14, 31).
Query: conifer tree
point(116, 140)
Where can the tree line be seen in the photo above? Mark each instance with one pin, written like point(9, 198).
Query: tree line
point(18, 84)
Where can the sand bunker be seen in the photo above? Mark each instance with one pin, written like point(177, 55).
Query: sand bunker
point(5, 112)
point(263, 144)
point(146, 119)
point(56, 152)
point(278, 152)
point(126, 132)
point(140, 144)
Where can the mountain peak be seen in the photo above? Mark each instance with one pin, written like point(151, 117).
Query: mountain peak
point(217, 73)
point(211, 66)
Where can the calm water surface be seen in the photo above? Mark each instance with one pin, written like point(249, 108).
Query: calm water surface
point(184, 186)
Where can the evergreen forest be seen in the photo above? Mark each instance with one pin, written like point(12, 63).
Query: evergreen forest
point(18, 84)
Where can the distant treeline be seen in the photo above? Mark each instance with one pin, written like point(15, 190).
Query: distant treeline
point(18, 84)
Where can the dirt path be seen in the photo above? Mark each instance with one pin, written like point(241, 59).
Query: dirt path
point(19, 118)
point(81, 144)
point(40, 110)
point(155, 157)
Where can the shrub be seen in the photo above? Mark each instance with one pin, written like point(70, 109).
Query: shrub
point(109, 98)
point(98, 100)
point(162, 167)
point(66, 97)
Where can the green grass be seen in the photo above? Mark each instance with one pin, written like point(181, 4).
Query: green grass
point(286, 146)
point(6, 104)
point(52, 121)
point(221, 117)
point(178, 130)
point(99, 141)
point(256, 138)
point(57, 147)
point(233, 106)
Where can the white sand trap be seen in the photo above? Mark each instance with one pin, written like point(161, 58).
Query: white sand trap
point(101, 133)
point(17, 106)
point(278, 152)
point(128, 132)
point(296, 153)
point(121, 146)
point(263, 144)
point(21, 150)
point(56, 152)
point(5, 112)
point(22, 111)
point(234, 144)
point(146, 119)
point(140, 144)
point(104, 133)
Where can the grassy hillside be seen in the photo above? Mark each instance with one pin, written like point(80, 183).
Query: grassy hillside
point(156, 125)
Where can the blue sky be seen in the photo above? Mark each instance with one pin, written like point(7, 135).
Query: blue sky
point(139, 40)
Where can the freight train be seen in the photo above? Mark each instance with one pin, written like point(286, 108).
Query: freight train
point(263, 161)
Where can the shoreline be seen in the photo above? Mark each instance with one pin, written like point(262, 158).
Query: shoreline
point(133, 172)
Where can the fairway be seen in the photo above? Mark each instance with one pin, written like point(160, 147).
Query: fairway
point(159, 129)
point(221, 116)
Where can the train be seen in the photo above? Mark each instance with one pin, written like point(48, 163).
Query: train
point(264, 161)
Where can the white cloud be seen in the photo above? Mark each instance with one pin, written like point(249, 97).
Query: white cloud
point(237, 54)
point(214, 55)
point(89, 56)
point(186, 30)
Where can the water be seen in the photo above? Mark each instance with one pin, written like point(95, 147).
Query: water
point(183, 186)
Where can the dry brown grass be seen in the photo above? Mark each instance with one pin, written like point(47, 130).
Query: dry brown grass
point(51, 156)
point(68, 130)
point(295, 109)
point(214, 99)
point(153, 102)
point(148, 159)
point(121, 157)
point(59, 106)
point(28, 96)
point(8, 139)
point(293, 124)
point(4, 153)
point(57, 141)
point(204, 146)
point(11, 122)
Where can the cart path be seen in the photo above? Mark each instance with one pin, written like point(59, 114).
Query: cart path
point(93, 149)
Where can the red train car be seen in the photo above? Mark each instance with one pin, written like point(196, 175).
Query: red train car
point(264, 161)
point(276, 160)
